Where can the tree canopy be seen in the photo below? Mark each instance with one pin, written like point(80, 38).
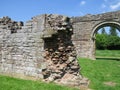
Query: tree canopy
point(108, 41)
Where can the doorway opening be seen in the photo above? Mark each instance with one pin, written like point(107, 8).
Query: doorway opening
point(107, 41)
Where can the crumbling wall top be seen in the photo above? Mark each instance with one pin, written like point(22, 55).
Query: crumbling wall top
point(8, 23)
point(104, 16)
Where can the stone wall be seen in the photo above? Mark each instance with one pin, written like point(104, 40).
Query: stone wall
point(85, 28)
point(21, 51)
point(40, 49)
point(60, 53)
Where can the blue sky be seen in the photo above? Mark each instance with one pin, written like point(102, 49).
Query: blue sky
point(23, 10)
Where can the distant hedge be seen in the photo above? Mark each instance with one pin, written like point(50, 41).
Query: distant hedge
point(110, 42)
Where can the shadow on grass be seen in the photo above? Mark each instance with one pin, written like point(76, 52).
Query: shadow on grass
point(107, 58)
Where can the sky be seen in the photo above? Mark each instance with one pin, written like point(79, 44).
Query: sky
point(24, 10)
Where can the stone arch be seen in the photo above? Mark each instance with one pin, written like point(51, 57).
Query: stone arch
point(85, 28)
point(100, 25)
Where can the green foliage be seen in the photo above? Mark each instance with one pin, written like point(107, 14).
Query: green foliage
point(8, 83)
point(101, 41)
point(109, 41)
point(114, 42)
point(104, 41)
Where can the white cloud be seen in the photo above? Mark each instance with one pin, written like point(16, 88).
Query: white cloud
point(115, 6)
point(82, 3)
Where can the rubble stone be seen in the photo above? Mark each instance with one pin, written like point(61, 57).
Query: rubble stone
point(12, 25)
point(60, 53)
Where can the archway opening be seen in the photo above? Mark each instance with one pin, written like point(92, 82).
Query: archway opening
point(107, 41)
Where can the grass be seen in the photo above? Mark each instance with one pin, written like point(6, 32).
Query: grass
point(108, 53)
point(8, 83)
point(102, 70)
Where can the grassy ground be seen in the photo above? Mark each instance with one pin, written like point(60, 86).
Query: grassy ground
point(100, 72)
point(7, 83)
point(108, 53)
point(104, 73)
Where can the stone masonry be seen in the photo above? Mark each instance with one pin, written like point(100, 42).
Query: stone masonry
point(40, 49)
point(21, 47)
point(47, 46)
point(60, 54)
point(86, 27)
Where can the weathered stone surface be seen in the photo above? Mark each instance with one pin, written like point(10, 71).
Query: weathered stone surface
point(21, 52)
point(85, 28)
point(7, 23)
point(60, 53)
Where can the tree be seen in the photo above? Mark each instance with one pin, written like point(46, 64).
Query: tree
point(103, 31)
point(114, 42)
point(102, 41)
point(113, 31)
point(105, 41)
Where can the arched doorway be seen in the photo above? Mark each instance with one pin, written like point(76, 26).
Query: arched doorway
point(102, 25)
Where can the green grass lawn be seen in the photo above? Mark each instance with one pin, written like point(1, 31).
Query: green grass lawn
point(100, 72)
point(108, 53)
point(104, 72)
point(8, 83)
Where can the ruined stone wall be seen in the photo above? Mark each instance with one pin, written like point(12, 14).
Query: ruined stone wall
point(40, 49)
point(60, 53)
point(85, 28)
point(21, 51)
